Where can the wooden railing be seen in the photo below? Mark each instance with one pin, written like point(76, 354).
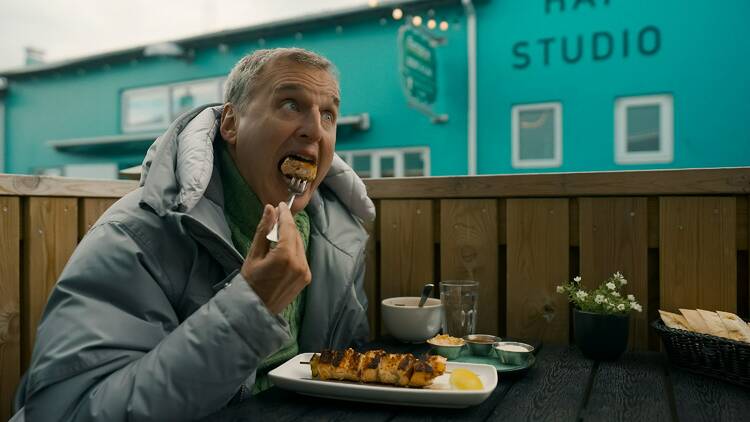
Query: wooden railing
point(679, 236)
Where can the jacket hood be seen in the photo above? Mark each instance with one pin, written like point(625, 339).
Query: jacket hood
point(178, 166)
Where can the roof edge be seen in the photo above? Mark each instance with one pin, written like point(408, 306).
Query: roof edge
point(234, 34)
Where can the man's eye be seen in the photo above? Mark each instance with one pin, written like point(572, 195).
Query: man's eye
point(290, 105)
point(328, 116)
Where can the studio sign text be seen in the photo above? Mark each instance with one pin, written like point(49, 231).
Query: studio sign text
point(599, 46)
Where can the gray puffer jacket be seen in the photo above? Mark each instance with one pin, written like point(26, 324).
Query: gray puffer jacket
point(150, 319)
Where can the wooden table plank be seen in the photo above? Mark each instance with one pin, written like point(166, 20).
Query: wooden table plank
point(275, 405)
point(538, 251)
point(10, 305)
point(614, 237)
point(468, 251)
point(698, 253)
point(700, 398)
point(474, 413)
point(633, 388)
point(552, 391)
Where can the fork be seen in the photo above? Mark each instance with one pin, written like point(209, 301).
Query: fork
point(296, 187)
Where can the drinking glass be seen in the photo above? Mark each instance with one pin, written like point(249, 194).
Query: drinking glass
point(460, 299)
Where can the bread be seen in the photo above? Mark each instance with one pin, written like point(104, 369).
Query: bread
point(675, 321)
point(719, 323)
point(695, 321)
point(736, 327)
point(715, 326)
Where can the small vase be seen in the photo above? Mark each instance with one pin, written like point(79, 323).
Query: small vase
point(601, 336)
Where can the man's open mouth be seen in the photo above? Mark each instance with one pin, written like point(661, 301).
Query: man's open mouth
point(298, 158)
point(298, 166)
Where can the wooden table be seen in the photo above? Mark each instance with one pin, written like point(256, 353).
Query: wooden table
point(562, 386)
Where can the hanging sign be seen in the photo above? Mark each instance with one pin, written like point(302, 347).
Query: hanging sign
point(418, 69)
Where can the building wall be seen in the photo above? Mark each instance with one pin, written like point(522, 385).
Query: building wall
point(72, 104)
point(703, 62)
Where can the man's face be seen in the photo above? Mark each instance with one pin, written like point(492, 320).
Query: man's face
point(292, 111)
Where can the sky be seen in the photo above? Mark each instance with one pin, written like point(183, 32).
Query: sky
point(75, 28)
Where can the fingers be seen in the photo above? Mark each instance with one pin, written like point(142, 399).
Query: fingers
point(259, 247)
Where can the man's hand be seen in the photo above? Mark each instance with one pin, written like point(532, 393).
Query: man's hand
point(277, 275)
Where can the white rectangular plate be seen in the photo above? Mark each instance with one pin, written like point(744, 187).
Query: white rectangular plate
point(295, 376)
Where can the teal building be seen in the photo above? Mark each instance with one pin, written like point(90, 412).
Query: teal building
point(430, 87)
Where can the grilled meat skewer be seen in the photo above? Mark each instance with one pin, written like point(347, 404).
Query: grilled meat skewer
point(376, 366)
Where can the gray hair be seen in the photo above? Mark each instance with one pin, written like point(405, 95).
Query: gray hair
point(241, 81)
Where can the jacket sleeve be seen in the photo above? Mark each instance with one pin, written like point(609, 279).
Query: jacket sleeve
point(110, 346)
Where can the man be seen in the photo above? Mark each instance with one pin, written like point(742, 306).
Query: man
point(175, 304)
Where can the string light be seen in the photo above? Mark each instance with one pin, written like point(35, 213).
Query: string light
point(373, 3)
point(397, 14)
point(416, 20)
point(444, 25)
point(431, 24)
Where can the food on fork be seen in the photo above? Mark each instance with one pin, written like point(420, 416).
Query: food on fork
point(377, 366)
point(294, 166)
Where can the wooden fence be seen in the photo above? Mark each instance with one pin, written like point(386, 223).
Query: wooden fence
point(679, 236)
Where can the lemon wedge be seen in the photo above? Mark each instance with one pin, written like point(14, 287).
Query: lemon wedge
point(464, 379)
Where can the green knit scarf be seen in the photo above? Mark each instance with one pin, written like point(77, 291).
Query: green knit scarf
point(243, 211)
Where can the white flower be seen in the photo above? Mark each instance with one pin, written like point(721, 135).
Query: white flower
point(611, 285)
point(621, 307)
point(631, 298)
point(615, 294)
point(560, 289)
point(618, 275)
point(636, 306)
point(623, 281)
point(599, 299)
point(577, 279)
point(581, 294)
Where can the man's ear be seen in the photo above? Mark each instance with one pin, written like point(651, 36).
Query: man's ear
point(229, 121)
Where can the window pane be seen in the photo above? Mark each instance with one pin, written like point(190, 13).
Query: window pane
point(537, 134)
point(146, 109)
point(186, 97)
point(387, 167)
point(361, 165)
point(414, 164)
point(643, 128)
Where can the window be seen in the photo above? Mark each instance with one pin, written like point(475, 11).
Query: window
point(188, 96)
point(536, 135)
point(91, 171)
point(145, 109)
point(644, 129)
point(153, 108)
point(403, 162)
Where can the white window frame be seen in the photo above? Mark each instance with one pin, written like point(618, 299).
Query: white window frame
point(666, 130)
point(556, 160)
point(168, 90)
point(396, 153)
point(125, 99)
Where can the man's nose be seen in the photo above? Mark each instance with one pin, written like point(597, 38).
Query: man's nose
point(312, 129)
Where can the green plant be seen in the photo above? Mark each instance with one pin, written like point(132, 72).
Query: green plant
point(605, 299)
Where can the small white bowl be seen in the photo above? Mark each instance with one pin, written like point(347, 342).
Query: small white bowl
point(407, 322)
